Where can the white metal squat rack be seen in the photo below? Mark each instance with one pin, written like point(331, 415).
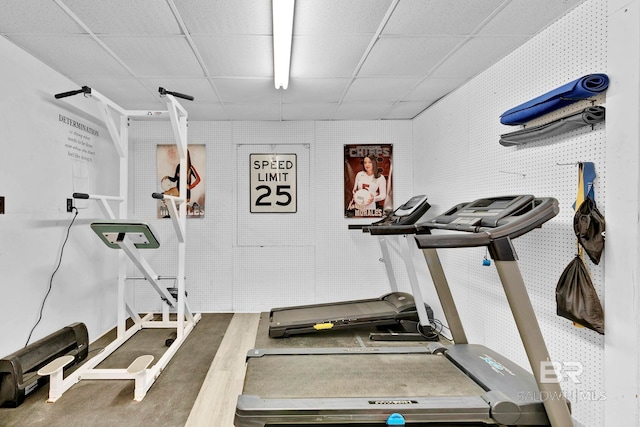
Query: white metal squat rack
point(130, 236)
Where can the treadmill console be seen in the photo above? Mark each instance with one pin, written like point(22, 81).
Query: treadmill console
point(410, 206)
point(408, 213)
point(483, 212)
point(486, 220)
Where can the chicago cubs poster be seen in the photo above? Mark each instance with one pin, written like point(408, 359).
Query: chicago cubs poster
point(367, 180)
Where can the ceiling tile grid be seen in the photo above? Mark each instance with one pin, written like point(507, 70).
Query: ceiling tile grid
point(375, 89)
point(155, 56)
point(236, 55)
point(440, 17)
point(404, 56)
point(351, 59)
point(71, 56)
point(125, 17)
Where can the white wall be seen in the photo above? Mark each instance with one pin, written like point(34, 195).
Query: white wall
point(622, 307)
point(456, 146)
point(37, 175)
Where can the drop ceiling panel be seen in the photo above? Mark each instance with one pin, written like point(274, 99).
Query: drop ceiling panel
point(403, 110)
point(397, 56)
point(362, 111)
point(434, 88)
point(236, 55)
point(226, 16)
point(367, 89)
point(71, 55)
point(332, 17)
point(247, 90)
point(315, 90)
point(308, 111)
point(157, 55)
point(253, 111)
point(444, 17)
point(477, 55)
point(125, 16)
point(330, 56)
point(36, 17)
point(519, 17)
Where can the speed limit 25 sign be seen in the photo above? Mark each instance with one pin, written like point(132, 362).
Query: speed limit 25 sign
point(273, 183)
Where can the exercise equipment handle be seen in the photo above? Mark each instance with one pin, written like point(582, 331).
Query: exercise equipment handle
point(159, 196)
point(163, 91)
point(80, 196)
point(398, 229)
point(84, 89)
point(358, 226)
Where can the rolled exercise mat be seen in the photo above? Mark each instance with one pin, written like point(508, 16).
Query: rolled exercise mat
point(587, 117)
point(582, 88)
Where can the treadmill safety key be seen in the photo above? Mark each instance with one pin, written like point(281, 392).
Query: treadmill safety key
point(395, 419)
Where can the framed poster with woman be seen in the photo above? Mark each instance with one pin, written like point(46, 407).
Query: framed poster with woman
point(169, 178)
point(367, 180)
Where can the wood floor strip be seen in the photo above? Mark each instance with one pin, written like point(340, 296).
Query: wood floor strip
point(216, 401)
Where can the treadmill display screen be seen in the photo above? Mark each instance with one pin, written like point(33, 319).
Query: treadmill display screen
point(410, 206)
point(485, 212)
point(497, 203)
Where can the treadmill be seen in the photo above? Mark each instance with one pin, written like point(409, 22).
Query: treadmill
point(457, 384)
point(393, 309)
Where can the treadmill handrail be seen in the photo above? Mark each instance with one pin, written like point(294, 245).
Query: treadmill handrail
point(397, 229)
point(512, 227)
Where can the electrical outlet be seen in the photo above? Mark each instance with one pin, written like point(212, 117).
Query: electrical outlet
point(1, 205)
point(69, 205)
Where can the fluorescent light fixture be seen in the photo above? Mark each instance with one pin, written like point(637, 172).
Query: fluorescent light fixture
point(282, 33)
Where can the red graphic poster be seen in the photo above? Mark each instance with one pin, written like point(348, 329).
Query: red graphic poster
point(367, 180)
point(169, 178)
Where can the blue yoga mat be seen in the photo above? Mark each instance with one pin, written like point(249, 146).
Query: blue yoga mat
point(582, 88)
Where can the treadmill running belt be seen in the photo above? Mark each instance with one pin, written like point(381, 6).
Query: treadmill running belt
point(336, 311)
point(331, 375)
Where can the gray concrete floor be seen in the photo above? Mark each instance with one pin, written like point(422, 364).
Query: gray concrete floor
point(99, 403)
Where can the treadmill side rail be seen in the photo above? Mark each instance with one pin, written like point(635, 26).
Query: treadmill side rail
point(253, 411)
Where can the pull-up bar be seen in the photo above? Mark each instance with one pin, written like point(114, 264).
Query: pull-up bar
point(87, 91)
point(84, 89)
point(163, 92)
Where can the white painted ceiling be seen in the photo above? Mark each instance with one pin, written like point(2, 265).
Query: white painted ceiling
point(351, 59)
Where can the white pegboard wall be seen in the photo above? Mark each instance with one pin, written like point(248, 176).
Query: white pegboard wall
point(463, 161)
point(273, 252)
point(208, 283)
point(348, 265)
point(224, 267)
point(272, 276)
